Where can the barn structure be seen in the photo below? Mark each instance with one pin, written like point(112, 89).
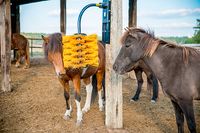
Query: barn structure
point(10, 23)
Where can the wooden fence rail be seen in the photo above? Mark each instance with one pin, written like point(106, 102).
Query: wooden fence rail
point(32, 45)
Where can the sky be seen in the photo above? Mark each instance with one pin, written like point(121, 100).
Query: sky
point(164, 17)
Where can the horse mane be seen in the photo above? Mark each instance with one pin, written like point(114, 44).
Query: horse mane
point(54, 45)
point(55, 42)
point(150, 43)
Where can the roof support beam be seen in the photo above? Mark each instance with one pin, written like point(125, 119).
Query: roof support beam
point(132, 13)
point(5, 41)
point(114, 98)
point(63, 16)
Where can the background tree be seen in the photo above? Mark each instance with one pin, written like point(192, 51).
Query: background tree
point(196, 36)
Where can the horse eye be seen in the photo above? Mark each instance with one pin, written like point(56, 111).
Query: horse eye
point(127, 45)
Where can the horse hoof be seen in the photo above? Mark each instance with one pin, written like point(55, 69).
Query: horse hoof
point(25, 67)
point(101, 109)
point(78, 123)
point(66, 117)
point(85, 110)
point(104, 102)
point(17, 66)
point(133, 100)
point(153, 101)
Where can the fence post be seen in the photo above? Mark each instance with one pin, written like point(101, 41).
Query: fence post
point(31, 47)
point(114, 81)
point(5, 41)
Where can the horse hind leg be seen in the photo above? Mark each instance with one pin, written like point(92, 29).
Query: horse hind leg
point(152, 84)
point(104, 90)
point(88, 84)
point(138, 74)
point(100, 75)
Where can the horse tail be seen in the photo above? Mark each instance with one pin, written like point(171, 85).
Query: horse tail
point(27, 54)
point(94, 90)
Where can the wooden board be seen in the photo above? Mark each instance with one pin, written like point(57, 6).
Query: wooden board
point(132, 13)
point(5, 40)
point(63, 16)
point(114, 81)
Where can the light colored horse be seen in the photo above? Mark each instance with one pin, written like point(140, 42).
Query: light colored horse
point(53, 52)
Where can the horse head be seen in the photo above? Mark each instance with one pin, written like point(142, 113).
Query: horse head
point(53, 51)
point(131, 51)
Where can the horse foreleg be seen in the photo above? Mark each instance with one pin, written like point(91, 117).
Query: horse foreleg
point(187, 108)
point(138, 74)
point(179, 117)
point(100, 75)
point(88, 96)
point(77, 85)
point(65, 85)
point(18, 59)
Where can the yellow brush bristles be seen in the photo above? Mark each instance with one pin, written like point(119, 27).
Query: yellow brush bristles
point(80, 51)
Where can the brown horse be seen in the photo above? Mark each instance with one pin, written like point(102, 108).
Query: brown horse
point(176, 67)
point(53, 52)
point(152, 82)
point(21, 45)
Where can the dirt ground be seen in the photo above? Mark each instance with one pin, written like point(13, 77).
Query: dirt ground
point(37, 105)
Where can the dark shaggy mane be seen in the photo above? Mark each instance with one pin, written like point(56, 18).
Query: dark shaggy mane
point(130, 31)
point(150, 43)
point(55, 42)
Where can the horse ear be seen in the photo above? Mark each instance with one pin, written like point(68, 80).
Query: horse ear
point(126, 29)
point(46, 39)
point(43, 37)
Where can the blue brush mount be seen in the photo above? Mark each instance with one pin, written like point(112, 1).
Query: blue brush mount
point(105, 5)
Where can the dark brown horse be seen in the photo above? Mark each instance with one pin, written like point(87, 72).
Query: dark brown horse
point(53, 52)
point(176, 67)
point(21, 45)
point(152, 83)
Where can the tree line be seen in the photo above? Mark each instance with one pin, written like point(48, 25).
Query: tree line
point(181, 40)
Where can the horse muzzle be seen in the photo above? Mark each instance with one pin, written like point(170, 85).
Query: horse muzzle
point(118, 70)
